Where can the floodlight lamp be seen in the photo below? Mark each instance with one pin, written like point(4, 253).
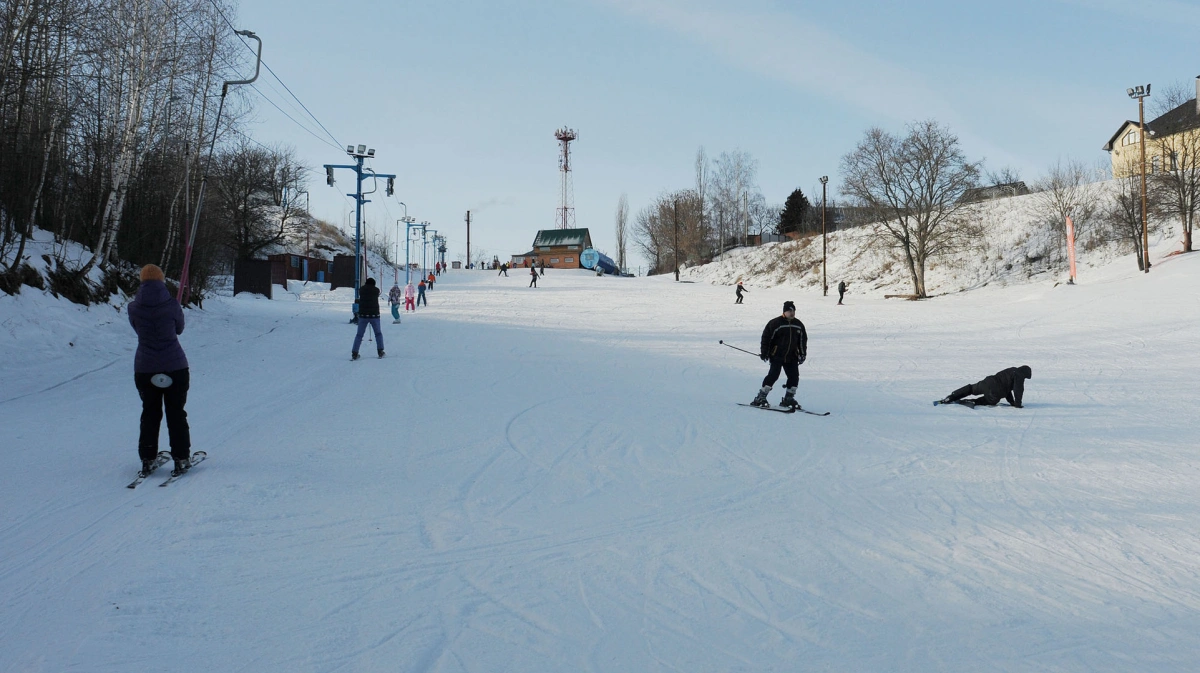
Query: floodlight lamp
point(362, 148)
point(1147, 89)
point(1129, 91)
point(371, 152)
point(350, 148)
point(824, 179)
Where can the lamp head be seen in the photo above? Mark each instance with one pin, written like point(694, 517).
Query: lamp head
point(371, 152)
point(824, 179)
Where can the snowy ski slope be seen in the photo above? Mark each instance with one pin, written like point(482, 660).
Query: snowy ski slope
point(559, 479)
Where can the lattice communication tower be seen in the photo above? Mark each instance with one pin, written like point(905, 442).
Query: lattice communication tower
point(564, 218)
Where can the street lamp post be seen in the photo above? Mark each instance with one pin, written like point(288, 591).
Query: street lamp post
point(824, 241)
point(1140, 93)
point(396, 278)
point(675, 219)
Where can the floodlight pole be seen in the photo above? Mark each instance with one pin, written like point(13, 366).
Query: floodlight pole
point(1145, 228)
point(396, 276)
point(359, 155)
point(409, 225)
point(824, 241)
point(675, 219)
point(187, 254)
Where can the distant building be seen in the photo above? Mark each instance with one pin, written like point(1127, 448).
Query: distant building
point(1174, 140)
point(557, 248)
point(1000, 191)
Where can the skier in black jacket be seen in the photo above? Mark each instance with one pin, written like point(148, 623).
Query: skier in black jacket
point(368, 314)
point(1008, 384)
point(785, 344)
point(739, 291)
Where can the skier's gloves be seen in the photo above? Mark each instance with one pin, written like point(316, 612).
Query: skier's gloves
point(764, 358)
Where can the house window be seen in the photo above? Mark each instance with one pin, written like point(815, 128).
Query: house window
point(554, 260)
point(1174, 161)
point(570, 260)
point(1130, 138)
point(544, 248)
point(1154, 164)
point(572, 247)
point(295, 262)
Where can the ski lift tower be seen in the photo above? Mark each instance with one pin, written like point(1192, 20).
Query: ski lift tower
point(565, 217)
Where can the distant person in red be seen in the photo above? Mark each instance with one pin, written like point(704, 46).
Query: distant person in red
point(431, 280)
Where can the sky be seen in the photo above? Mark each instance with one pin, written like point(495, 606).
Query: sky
point(461, 99)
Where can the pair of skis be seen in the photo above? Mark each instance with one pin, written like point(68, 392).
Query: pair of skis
point(785, 410)
point(163, 458)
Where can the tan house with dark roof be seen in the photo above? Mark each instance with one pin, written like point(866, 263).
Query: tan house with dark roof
point(558, 248)
point(1174, 141)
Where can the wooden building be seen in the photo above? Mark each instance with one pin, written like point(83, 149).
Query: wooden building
point(556, 248)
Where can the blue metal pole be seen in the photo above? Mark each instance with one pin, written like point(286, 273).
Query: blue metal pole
point(357, 234)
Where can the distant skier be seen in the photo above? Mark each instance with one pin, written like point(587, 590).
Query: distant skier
point(542, 266)
point(394, 297)
point(740, 290)
point(160, 370)
point(841, 291)
point(368, 314)
point(432, 279)
point(533, 277)
point(409, 297)
point(421, 294)
point(785, 344)
point(503, 270)
point(1008, 384)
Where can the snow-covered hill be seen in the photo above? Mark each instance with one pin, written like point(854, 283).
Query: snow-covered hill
point(1017, 248)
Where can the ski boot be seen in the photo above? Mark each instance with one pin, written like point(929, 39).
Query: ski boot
point(181, 466)
point(354, 356)
point(147, 468)
point(760, 400)
point(380, 352)
point(789, 399)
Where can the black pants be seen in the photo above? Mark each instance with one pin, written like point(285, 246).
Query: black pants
point(975, 389)
point(533, 281)
point(791, 368)
point(739, 299)
point(173, 397)
point(841, 295)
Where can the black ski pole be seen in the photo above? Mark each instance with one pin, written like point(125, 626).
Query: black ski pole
point(737, 349)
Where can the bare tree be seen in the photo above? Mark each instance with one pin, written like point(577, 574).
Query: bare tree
point(1178, 183)
point(913, 188)
point(1064, 192)
point(703, 178)
point(622, 229)
point(1169, 97)
point(1123, 213)
point(734, 180)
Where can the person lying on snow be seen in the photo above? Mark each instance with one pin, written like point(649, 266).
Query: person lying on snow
point(1008, 384)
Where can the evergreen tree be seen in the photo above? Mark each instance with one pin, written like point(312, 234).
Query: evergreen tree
point(795, 213)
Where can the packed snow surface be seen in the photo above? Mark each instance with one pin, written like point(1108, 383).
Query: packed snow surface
point(559, 479)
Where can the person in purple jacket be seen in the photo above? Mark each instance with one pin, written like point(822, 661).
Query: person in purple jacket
point(160, 370)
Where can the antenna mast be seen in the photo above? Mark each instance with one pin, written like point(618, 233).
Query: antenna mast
point(564, 218)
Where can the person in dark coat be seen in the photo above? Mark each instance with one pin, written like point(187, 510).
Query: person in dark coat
point(841, 291)
point(1008, 384)
point(740, 290)
point(421, 294)
point(368, 314)
point(160, 370)
point(533, 277)
point(542, 266)
point(784, 344)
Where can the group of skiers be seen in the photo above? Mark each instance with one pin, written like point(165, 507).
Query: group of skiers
point(161, 373)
